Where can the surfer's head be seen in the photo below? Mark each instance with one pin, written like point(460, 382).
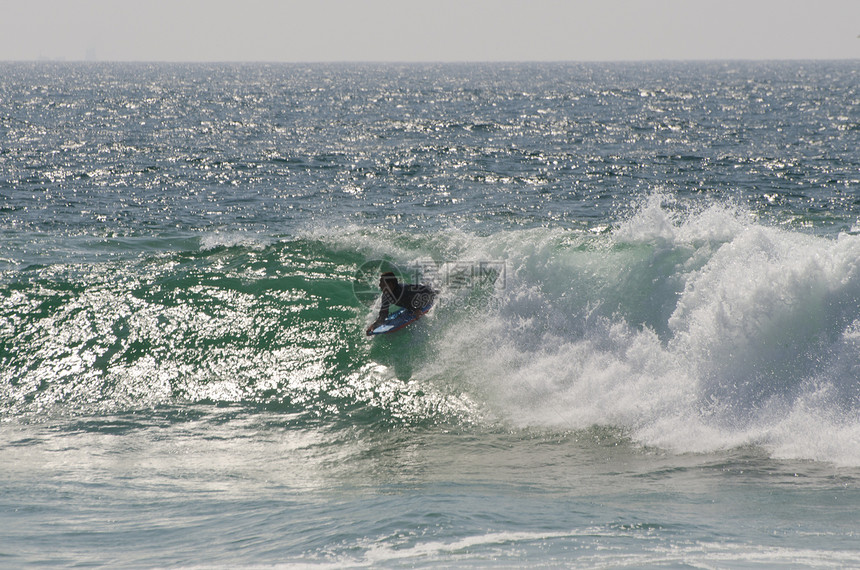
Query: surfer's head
point(387, 280)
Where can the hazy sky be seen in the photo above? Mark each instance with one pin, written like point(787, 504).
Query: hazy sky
point(437, 30)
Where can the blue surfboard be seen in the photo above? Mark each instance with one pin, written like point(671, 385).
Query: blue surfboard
point(399, 319)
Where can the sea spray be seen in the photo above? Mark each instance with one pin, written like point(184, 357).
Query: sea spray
point(713, 331)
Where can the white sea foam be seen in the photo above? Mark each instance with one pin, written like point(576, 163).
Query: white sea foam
point(689, 330)
point(691, 327)
point(233, 239)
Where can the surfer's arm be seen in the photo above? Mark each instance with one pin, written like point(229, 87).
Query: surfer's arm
point(383, 308)
point(383, 313)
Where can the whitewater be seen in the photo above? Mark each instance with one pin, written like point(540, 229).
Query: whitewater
point(645, 350)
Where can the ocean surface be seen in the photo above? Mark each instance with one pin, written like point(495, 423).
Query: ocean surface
point(645, 351)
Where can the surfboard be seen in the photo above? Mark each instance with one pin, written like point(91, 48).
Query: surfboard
point(399, 319)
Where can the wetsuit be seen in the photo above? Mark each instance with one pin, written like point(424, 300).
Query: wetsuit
point(409, 296)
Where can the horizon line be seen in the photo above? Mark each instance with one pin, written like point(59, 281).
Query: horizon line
point(428, 61)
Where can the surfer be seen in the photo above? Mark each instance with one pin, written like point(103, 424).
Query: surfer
point(408, 296)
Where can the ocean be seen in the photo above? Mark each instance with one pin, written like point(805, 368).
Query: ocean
point(645, 350)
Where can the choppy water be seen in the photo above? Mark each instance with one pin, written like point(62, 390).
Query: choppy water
point(646, 349)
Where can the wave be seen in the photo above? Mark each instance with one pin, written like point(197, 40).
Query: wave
point(236, 319)
point(688, 327)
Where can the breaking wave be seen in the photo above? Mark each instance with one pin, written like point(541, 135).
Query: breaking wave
point(689, 328)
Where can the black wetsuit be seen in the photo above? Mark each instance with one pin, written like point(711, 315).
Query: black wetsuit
point(408, 296)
